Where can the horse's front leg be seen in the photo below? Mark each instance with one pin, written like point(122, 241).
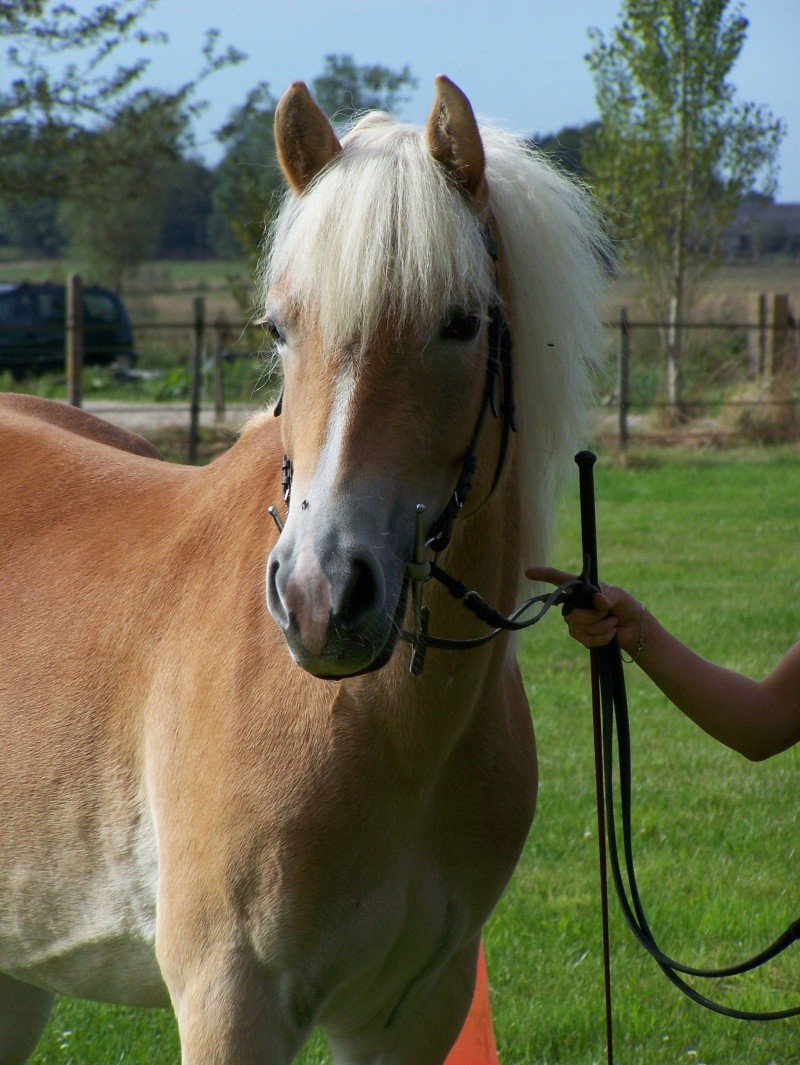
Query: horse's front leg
point(227, 1015)
point(24, 1011)
point(424, 1024)
point(229, 1010)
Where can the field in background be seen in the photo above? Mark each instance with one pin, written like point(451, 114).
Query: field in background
point(710, 542)
point(724, 297)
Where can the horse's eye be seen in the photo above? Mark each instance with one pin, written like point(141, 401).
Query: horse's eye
point(274, 331)
point(461, 326)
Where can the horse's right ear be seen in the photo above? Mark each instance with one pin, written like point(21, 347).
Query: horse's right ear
point(304, 137)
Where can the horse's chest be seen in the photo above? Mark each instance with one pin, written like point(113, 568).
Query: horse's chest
point(372, 947)
point(370, 903)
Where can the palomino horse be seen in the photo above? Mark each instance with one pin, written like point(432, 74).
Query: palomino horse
point(269, 839)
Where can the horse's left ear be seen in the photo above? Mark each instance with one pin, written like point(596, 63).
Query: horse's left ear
point(304, 137)
point(455, 142)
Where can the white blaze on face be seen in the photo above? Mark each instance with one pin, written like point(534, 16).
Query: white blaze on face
point(308, 597)
point(308, 594)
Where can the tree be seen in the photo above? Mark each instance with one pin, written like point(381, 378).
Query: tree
point(248, 178)
point(567, 147)
point(675, 152)
point(78, 130)
point(345, 88)
point(113, 211)
point(188, 204)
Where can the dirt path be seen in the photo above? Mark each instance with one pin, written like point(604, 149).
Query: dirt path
point(146, 417)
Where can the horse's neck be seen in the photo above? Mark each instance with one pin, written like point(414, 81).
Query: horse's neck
point(245, 481)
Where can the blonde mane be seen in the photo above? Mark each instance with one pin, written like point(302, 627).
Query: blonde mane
point(381, 230)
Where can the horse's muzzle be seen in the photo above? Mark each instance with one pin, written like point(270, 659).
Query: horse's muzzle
point(336, 605)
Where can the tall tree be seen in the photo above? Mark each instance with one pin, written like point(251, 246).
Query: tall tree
point(78, 128)
point(248, 178)
point(567, 147)
point(675, 152)
point(188, 188)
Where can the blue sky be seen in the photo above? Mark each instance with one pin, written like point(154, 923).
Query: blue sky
point(520, 61)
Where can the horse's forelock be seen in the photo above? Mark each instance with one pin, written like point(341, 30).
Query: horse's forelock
point(381, 232)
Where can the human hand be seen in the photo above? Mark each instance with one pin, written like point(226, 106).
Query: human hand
point(614, 612)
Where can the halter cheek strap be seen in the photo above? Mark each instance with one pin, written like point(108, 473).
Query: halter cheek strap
point(498, 367)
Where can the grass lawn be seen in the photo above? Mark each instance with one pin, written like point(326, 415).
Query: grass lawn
point(710, 542)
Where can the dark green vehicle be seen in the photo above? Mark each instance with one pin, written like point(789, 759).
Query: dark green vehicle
point(32, 329)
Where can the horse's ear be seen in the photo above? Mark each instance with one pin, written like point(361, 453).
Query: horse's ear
point(455, 142)
point(304, 137)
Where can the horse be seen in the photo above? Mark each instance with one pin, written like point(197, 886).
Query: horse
point(223, 790)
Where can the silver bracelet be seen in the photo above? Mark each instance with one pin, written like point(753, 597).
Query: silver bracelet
point(639, 642)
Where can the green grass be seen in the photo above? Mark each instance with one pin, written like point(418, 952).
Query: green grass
point(246, 380)
point(710, 542)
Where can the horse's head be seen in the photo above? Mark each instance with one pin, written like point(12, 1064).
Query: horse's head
point(378, 290)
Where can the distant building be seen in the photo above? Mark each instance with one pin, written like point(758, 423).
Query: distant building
point(763, 228)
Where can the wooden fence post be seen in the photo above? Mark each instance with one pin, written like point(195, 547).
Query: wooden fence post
point(196, 379)
point(221, 332)
point(757, 337)
point(778, 333)
point(624, 377)
point(74, 339)
point(780, 371)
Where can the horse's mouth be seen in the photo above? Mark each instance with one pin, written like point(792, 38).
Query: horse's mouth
point(351, 654)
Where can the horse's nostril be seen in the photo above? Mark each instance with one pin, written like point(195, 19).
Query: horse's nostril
point(360, 596)
point(274, 597)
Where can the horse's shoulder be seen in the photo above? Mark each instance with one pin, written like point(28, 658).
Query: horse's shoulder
point(79, 422)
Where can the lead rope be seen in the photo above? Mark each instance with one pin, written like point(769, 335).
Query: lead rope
point(610, 709)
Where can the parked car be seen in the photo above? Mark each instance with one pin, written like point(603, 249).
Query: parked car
point(32, 328)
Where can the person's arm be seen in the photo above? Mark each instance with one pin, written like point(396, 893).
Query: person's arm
point(756, 718)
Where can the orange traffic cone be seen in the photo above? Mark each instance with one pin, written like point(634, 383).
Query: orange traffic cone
point(476, 1045)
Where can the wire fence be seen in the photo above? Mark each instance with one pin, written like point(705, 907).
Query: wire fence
point(740, 380)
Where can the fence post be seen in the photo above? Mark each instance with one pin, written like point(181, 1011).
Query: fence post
point(74, 339)
point(221, 330)
point(780, 371)
point(779, 324)
point(624, 377)
point(757, 337)
point(196, 380)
